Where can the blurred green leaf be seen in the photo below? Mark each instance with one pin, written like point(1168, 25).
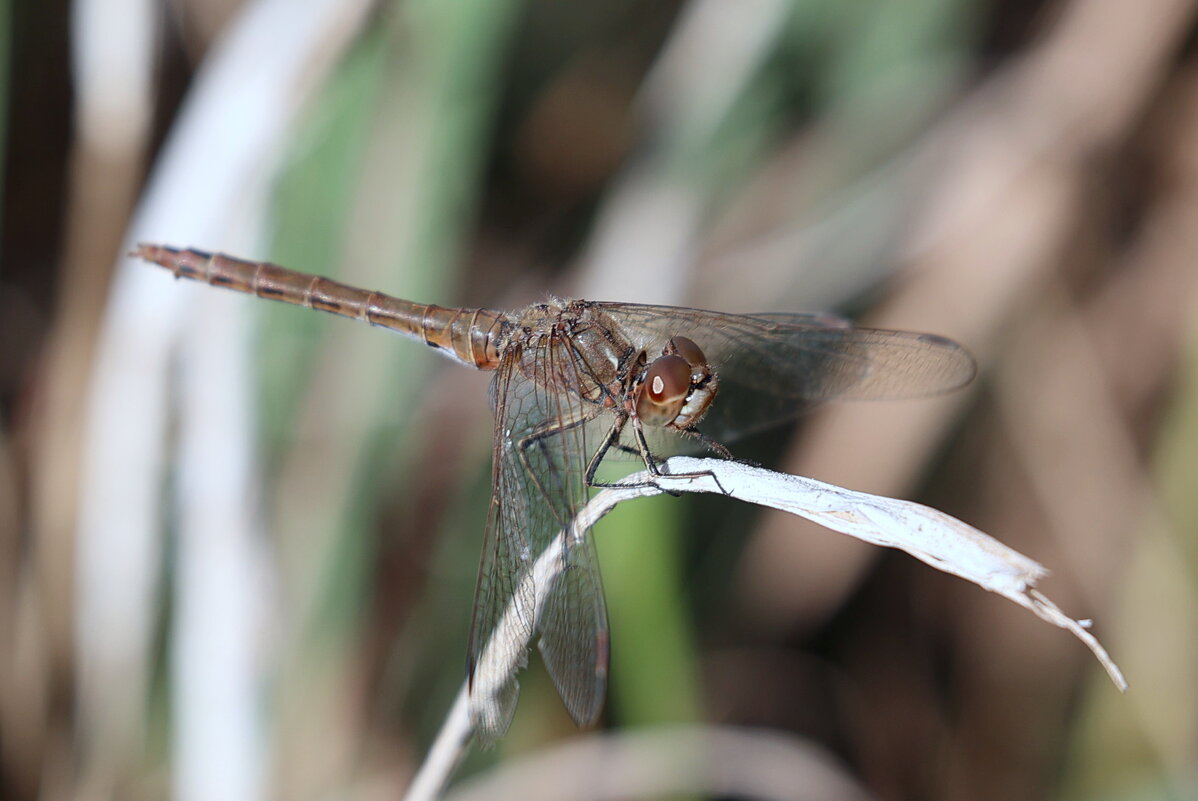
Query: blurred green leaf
point(653, 673)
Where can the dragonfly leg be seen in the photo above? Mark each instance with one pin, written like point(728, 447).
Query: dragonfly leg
point(650, 460)
point(651, 463)
point(537, 439)
point(612, 440)
point(708, 441)
point(712, 445)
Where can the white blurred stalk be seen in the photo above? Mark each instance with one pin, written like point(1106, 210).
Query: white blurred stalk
point(652, 218)
point(209, 188)
point(216, 667)
point(111, 50)
point(112, 69)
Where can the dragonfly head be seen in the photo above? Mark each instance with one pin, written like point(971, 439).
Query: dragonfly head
point(677, 388)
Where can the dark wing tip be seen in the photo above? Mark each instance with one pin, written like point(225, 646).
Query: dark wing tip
point(966, 367)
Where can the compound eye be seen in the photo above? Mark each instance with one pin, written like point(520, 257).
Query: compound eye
point(688, 350)
point(663, 392)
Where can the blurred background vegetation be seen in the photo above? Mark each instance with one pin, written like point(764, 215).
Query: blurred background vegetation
point(238, 542)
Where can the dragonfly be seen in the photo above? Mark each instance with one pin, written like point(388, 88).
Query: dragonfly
point(576, 381)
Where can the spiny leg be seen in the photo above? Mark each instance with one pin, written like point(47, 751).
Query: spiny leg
point(650, 460)
point(612, 441)
point(711, 444)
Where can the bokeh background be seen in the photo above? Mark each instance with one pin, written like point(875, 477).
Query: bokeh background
point(238, 541)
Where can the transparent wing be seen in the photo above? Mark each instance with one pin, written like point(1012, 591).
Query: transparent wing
point(772, 366)
point(541, 452)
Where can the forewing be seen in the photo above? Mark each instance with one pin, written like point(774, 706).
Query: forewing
point(772, 366)
point(542, 451)
point(504, 599)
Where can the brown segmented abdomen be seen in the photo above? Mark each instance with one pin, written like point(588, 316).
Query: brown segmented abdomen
point(471, 336)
